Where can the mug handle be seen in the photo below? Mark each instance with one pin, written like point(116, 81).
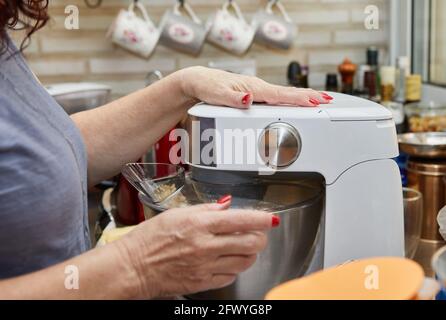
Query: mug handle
point(188, 9)
point(236, 8)
point(141, 8)
point(279, 5)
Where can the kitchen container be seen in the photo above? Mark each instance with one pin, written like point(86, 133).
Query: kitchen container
point(429, 178)
point(386, 278)
point(426, 172)
point(77, 97)
point(413, 218)
point(429, 145)
point(426, 117)
point(291, 246)
point(158, 181)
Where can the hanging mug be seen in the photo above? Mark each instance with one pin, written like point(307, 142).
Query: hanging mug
point(136, 34)
point(230, 31)
point(185, 34)
point(274, 30)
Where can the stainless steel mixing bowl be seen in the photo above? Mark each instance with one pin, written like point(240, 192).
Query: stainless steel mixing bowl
point(290, 246)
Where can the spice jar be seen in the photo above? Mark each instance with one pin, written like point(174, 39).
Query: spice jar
point(426, 117)
point(413, 88)
point(347, 70)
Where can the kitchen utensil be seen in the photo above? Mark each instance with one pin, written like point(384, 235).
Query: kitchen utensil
point(230, 31)
point(81, 96)
point(136, 34)
point(424, 145)
point(347, 148)
point(413, 218)
point(299, 206)
point(439, 266)
point(371, 279)
point(180, 32)
point(158, 181)
point(426, 116)
point(428, 177)
point(276, 31)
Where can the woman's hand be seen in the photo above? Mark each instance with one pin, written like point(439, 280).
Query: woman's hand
point(194, 249)
point(223, 88)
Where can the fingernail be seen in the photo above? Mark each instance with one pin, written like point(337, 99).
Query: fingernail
point(327, 97)
point(275, 221)
point(246, 99)
point(224, 199)
point(314, 101)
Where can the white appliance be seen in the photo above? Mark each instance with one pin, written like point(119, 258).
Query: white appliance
point(350, 143)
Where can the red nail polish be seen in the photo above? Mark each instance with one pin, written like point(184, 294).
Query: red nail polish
point(275, 221)
point(314, 101)
point(224, 199)
point(246, 99)
point(327, 97)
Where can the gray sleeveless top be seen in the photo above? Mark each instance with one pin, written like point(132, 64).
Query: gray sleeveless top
point(43, 175)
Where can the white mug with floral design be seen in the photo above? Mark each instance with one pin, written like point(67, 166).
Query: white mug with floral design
point(180, 32)
point(229, 30)
point(276, 31)
point(134, 33)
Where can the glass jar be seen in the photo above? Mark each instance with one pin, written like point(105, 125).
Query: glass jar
point(426, 117)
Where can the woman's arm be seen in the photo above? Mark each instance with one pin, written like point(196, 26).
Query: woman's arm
point(180, 252)
point(122, 131)
point(103, 274)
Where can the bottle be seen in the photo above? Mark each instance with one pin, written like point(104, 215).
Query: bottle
point(305, 74)
point(388, 82)
point(370, 86)
point(403, 71)
point(360, 90)
point(373, 58)
point(331, 83)
point(347, 70)
point(373, 63)
point(297, 75)
point(413, 88)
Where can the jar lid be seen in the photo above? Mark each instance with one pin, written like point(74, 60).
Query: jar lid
point(425, 108)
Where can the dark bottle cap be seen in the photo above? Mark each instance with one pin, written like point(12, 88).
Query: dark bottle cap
point(294, 70)
point(331, 83)
point(372, 56)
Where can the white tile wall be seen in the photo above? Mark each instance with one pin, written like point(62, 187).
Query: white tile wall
point(329, 31)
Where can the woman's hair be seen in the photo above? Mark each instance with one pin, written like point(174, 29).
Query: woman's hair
point(28, 15)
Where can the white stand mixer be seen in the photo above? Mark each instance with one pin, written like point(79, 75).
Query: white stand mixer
point(350, 143)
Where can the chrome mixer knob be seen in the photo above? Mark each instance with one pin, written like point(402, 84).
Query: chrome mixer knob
point(279, 145)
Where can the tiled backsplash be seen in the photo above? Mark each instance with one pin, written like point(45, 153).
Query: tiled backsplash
point(329, 31)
